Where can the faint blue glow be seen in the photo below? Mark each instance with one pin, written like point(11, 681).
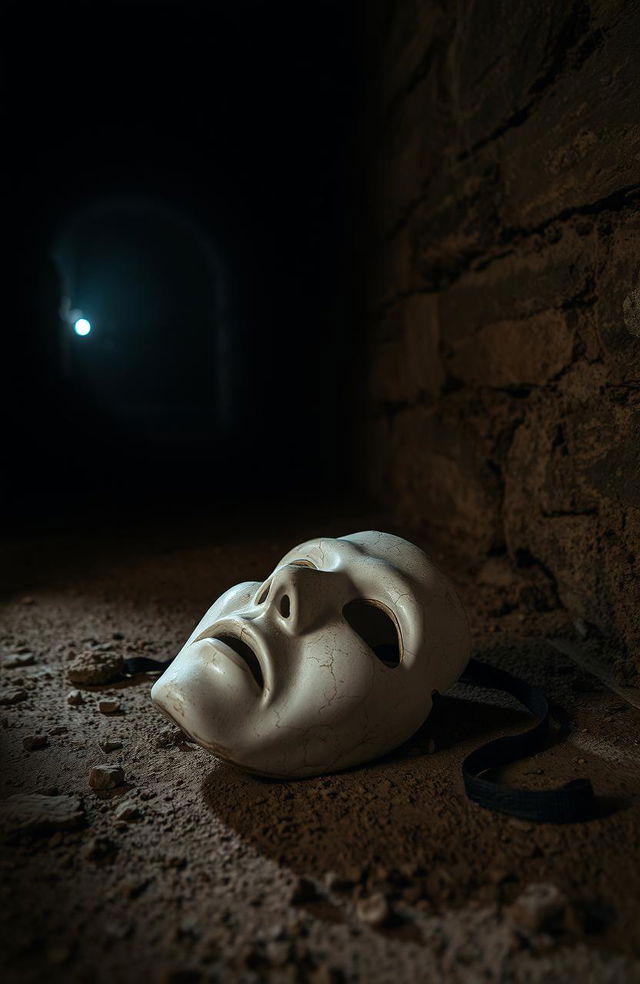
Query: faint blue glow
point(82, 326)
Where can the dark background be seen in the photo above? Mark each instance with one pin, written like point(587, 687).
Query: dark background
point(179, 172)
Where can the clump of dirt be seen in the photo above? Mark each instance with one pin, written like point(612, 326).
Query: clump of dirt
point(95, 666)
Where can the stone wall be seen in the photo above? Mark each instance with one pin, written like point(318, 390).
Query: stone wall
point(503, 323)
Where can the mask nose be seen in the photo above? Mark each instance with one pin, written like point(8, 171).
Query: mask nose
point(298, 597)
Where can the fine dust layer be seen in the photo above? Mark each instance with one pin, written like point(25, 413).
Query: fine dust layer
point(178, 867)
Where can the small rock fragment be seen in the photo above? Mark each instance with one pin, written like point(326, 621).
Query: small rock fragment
point(170, 735)
point(18, 659)
point(539, 907)
point(93, 667)
point(106, 777)
point(303, 890)
point(75, 698)
point(109, 706)
point(374, 910)
point(27, 600)
point(33, 742)
point(13, 697)
point(110, 745)
point(33, 813)
point(128, 810)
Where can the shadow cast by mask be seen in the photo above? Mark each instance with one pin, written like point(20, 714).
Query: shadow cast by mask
point(380, 813)
point(403, 819)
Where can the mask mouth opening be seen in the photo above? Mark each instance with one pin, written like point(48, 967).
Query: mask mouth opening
point(246, 654)
point(377, 628)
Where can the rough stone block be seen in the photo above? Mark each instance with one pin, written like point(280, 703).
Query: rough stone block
point(511, 353)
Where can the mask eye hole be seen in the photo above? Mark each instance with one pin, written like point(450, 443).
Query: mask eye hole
point(304, 563)
point(376, 627)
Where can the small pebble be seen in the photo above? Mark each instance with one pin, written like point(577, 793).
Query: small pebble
point(13, 697)
point(109, 706)
point(539, 907)
point(106, 777)
point(128, 810)
point(32, 742)
point(74, 697)
point(374, 910)
point(18, 659)
point(110, 745)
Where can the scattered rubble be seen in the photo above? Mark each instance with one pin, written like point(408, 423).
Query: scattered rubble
point(201, 847)
point(75, 698)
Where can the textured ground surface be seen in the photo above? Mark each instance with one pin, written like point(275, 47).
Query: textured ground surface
point(210, 874)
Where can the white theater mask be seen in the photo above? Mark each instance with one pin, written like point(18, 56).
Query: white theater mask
point(330, 662)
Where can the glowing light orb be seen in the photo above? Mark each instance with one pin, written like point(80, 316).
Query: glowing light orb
point(82, 326)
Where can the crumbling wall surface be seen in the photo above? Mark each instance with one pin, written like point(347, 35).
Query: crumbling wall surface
point(504, 302)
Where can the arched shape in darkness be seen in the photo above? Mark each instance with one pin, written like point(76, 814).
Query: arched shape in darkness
point(147, 278)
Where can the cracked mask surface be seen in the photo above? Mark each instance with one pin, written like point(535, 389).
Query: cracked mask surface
point(330, 662)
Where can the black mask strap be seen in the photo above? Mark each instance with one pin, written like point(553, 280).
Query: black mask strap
point(566, 804)
point(142, 664)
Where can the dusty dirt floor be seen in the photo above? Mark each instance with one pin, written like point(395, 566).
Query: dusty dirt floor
point(190, 870)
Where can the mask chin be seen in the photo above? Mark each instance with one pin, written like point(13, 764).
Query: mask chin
point(208, 691)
